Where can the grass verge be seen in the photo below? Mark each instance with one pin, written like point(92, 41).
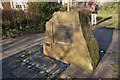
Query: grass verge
point(105, 14)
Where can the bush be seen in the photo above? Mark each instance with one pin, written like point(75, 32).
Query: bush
point(43, 11)
point(12, 21)
point(18, 22)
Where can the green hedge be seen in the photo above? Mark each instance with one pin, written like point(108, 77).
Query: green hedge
point(18, 22)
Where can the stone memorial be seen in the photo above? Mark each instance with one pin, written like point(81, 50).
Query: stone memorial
point(70, 39)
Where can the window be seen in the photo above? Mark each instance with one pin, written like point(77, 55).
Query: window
point(18, 6)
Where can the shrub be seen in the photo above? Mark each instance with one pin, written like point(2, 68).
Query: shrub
point(18, 22)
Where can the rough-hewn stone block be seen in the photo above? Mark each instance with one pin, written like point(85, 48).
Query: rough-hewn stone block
point(76, 45)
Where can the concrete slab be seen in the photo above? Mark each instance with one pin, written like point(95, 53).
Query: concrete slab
point(3, 56)
point(104, 68)
point(103, 36)
point(108, 41)
point(7, 75)
point(10, 65)
point(115, 42)
point(21, 42)
point(11, 52)
point(75, 72)
point(23, 72)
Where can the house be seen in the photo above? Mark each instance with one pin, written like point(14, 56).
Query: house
point(15, 5)
point(19, 4)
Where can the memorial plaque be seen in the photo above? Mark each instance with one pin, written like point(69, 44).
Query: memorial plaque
point(63, 33)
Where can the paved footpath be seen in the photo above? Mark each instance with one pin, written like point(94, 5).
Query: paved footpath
point(108, 39)
point(19, 48)
point(14, 46)
point(16, 51)
point(108, 66)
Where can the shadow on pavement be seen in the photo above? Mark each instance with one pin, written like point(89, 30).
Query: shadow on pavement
point(35, 66)
point(104, 37)
point(99, 18)
point(104, 20)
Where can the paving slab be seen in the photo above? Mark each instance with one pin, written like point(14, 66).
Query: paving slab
point(6, 42)
point(9, 65)
point(14, 50)
point(22, 44)
point(8, 75)
point(20, 41)
point(103, 36)
point(75, 72)
point(11, 52)
point(23, 72)
point(104, 68)
point(114, 46)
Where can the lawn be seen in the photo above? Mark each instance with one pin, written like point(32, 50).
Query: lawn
point(109, 9)
point(106, 14)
